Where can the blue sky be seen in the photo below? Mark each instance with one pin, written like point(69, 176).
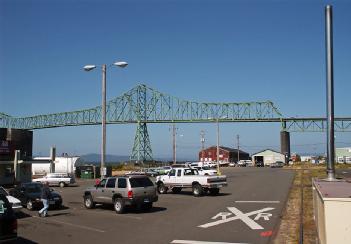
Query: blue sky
point(206, 51)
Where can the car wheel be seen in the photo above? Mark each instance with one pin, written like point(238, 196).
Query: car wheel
point(88, 202)
point(197, 190)
point(29, 205)
point(176, 190)
point(162, 189)
point(62, 184)
point(119, 205)
point(214, 191)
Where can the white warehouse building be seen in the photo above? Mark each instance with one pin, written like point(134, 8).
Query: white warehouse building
point(268, 157)
point(343, 155)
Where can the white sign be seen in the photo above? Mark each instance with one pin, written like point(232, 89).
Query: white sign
point(245, 217)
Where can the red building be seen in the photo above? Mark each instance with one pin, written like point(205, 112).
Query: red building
point(226, 154)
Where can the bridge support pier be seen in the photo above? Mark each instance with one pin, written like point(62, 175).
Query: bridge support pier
point(285, 144)
point(142, 151)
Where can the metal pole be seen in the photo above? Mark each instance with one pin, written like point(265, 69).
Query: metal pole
point(202, 146)
point(15, 165)
point(218, 171)
point(330, 92)
point(237, 137)
point(174, 144)
point(103, 121)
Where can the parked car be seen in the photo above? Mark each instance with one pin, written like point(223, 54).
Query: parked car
point(57, 179)
point(241, 163)
point(166, 169)
point(8, 221)
point(259, 164)
point(179, 178)
point(15, 203)
point(205, 170)
point(277, 164)
point(212, 164)
point(29, 194)
point(122, 191)
point(249, 163)
point(151, 172)
point(231, 164)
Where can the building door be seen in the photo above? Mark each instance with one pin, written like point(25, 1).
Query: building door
point(258, 160)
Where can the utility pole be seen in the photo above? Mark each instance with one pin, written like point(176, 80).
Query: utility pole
point(174, 133)
point(202, 146)
point(237, 137)
point(103, 121)
point(218, 170)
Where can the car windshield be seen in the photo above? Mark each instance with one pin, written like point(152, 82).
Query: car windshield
point(206, 168)
point(140, 182)
point(3, 191)
point(33, 188)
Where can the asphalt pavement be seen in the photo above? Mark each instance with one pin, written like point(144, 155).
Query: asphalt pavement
point(247, 211)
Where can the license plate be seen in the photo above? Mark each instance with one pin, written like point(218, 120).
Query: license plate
point(51, 202)
point(146, 200)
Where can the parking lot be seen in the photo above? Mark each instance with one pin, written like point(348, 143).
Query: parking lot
point(247, 211)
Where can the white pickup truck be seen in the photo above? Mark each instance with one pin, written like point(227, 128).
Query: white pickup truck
point(179, 178)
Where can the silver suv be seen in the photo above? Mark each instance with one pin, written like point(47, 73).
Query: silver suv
point(122, 191)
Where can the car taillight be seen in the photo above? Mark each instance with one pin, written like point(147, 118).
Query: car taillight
point(130, 194)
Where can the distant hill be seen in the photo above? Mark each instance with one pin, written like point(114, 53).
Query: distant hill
point(96, 158)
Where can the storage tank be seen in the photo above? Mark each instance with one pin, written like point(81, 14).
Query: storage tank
point(62, 165)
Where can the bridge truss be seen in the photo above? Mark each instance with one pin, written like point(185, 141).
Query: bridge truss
point(143, 105)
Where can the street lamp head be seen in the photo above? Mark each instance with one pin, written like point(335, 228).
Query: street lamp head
point(89, 67)
point(121, 64)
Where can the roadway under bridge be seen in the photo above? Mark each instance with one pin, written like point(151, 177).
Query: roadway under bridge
point(143, 105)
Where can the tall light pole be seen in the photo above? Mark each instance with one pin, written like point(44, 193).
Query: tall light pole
point(174, 134)
point(218, 171)
point(202, 146)
point(330, 92)
point(237, 137)
point(120, 64)
point(217, 121)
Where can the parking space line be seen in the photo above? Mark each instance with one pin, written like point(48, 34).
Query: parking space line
point(202, 242)
point(257, 201)
point(74, 225)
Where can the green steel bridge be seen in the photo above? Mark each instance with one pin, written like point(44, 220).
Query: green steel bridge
point(142, 105)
